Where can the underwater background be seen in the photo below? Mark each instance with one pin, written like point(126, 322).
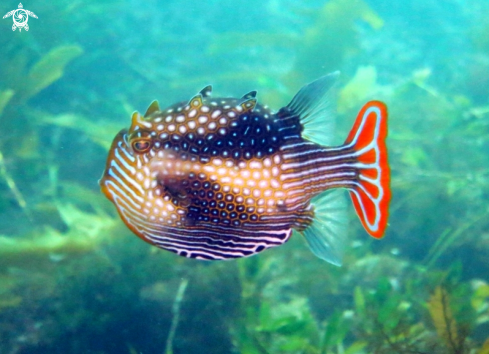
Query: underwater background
point(74, 279)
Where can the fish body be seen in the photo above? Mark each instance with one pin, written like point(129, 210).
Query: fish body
point(218, 178)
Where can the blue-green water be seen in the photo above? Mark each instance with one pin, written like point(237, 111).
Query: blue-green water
point(74, 279)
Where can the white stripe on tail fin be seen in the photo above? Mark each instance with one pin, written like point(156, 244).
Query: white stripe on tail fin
point(371, 195)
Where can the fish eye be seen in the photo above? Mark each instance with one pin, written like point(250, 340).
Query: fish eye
point(141, 145)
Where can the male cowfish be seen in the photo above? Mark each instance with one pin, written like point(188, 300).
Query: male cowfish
point(219, 178)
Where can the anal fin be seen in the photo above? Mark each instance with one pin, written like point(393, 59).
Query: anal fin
point(327, 235)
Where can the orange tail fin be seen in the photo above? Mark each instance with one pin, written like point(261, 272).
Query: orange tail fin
point(372, 194)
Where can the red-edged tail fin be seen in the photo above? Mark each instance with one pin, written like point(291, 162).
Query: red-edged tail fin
point(372, 194)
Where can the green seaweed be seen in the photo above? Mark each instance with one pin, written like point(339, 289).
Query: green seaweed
point(49, 68)
point(28, 82)
point(331, 37)
point(5, 97)
point(362, 86)
point(23, 84)
point(86, 232)
point(325, 43)
point(99, 132)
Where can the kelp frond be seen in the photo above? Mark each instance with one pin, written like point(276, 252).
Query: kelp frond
point(13, 186)
point(443, 320)
point(485, 348)
point(49, 68)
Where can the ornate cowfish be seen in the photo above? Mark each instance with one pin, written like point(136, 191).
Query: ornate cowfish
point(218, 178)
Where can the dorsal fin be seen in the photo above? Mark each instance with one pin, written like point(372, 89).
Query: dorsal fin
point(248, 105)
point(153, 107)
point(251, 94)
point(314, 105)
point(206, 91)
point(196, 101)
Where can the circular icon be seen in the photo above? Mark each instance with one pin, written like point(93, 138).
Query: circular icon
point(20, 17)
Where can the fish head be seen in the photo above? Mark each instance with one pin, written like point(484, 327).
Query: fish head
point(127, 180)
point(145, 177)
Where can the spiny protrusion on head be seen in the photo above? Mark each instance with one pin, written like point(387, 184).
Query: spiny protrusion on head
point(206, 91)
point(138, 122)
point(251, 94)
point(196, 101)
point(248, 105)
point(153, 107)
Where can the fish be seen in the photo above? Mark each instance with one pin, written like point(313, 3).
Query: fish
point(222, 178)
